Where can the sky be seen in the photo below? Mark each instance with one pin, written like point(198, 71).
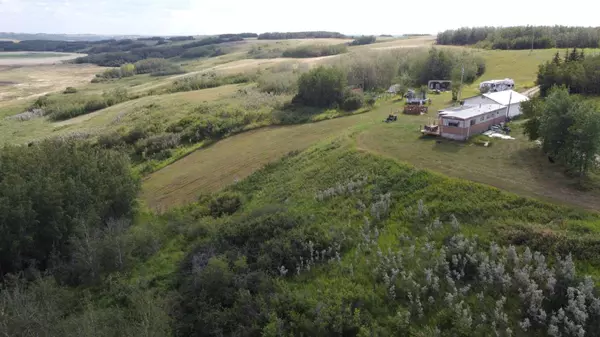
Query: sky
point(200, 17)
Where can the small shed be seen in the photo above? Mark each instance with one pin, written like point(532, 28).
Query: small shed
point(506, 98)
point(465, 121)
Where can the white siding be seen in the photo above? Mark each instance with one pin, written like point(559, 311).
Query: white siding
point(515, 110)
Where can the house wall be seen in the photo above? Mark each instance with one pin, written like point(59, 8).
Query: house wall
point(515, 110)
point(465, 130)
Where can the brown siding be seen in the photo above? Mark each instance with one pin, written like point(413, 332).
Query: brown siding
point(476, 129)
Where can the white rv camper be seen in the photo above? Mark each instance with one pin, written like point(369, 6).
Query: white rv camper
point(496, 85)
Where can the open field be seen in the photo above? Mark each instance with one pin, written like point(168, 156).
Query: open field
point(513, 165)
point(30, 81)
point(510, 165)
point(33, 58)
point(210, 169)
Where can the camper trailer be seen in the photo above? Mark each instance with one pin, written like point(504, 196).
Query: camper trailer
point(496, 85)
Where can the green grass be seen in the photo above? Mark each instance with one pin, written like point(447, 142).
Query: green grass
point(290, 186)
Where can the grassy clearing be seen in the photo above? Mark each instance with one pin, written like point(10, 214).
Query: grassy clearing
point(513, 165)
point(234, 158)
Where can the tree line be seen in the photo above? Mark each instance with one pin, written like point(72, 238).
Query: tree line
point(329, 86)
point(522, 37)
point(301, 35)
point(114, 53)
point(578, 72)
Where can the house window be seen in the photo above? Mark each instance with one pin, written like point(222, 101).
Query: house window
point(454, 124)
point(473, 121)
point(482, 118)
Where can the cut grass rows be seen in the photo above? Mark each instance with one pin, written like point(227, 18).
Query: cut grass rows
point(210, 169)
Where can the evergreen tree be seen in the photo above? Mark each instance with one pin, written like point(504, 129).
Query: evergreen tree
point(556, 60)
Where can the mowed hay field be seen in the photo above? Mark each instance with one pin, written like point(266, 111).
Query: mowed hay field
point(210, 169)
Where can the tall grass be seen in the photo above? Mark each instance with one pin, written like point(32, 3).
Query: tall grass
point(209, 80)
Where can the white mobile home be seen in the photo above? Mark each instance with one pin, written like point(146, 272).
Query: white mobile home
point(502, 97)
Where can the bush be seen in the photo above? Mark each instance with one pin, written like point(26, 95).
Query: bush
point(157, 143)
point(353, 101)
point(70, 90)
point(321, 87)
point(95, 104)
point(225, 203)
point(315, 51)
point(208, 80)
point(363, 40)
point(151, 65)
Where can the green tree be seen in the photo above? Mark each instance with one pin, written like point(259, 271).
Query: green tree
point(127, 70)
point(532, 110)
point(569, 128)
point(585, 135)
point(322, 87)
point(49, 190)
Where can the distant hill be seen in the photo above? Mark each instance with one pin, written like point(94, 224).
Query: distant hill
point(63, 37)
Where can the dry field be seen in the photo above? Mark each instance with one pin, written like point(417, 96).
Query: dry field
point(23, 82)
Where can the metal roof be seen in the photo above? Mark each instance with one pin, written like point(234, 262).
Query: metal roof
point(468, 112)
point(503, 97)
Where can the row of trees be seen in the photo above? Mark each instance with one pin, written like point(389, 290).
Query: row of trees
point(113, 53)
point(154, 67)
point(568, 126)
point(379, 70)
point(362, 40)
point(301, 35)
point(327, 86)
point(522, 37)
point(578, 72)
point(116, 53)
point(315, 51)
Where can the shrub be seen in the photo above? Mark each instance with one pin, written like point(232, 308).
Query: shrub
point(70, 90)
point(95, 104)
point(151, 65)
point(315, 51)
point(127, 70)
point(157, 143)
point(321, 87)
point(225, 203)
point(363, 40)
point(353, 101)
